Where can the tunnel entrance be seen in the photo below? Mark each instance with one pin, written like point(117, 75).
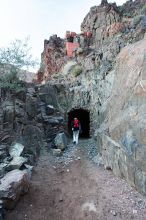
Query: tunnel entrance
point(84, 118)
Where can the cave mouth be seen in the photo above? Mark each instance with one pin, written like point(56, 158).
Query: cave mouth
point(84, 118)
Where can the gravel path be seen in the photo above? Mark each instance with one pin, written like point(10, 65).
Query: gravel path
point(73, 187)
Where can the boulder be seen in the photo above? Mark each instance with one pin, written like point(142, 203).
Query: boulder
point(2, 168)
point(60, 141)
point(13, 185)
point(53, 120)
point(16, 150)
point(50, 109)
point(31, 106)
point(29, 168)
point(3, 147)
point(33, 138)
point(56, 152)
point(2, 155)
point(16, 163)
point(8, 112)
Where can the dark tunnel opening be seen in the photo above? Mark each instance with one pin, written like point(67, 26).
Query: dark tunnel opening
point(84, 118)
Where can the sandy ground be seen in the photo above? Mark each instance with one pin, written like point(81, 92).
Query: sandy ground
point(75, 188)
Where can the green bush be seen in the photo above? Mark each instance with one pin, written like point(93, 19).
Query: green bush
point(127, 14)
point(137, 19)
point(143, 10)
point(77, 70)
point(11, 82)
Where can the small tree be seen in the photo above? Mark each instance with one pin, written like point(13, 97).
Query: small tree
point(13, 58)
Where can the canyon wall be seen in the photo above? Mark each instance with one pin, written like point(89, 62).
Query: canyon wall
point(107, 78)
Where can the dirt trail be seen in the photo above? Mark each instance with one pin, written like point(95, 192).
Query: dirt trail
point(75, 188)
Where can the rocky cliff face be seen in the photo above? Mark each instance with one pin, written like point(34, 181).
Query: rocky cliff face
point(107, 80)
point(107, 20)
point(103, 21)
point(112, 29)
point(31, 118)
point(52, 58)
point(123, 130)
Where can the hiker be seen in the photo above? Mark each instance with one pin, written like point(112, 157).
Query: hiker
point(75, 128)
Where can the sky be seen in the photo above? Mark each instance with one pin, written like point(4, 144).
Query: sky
point(39, 19)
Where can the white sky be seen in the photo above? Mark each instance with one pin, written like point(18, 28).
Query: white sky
point(39, 19)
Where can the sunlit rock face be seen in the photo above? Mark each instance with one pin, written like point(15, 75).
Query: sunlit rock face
point(124, 144)
point(109, 20)
point(104, 21)
point(53, 57)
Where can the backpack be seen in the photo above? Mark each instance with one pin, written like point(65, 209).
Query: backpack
point(76, 123)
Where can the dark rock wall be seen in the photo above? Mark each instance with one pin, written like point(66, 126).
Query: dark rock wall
point(31, 118)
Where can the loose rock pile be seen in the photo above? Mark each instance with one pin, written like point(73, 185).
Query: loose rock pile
point(15, 175)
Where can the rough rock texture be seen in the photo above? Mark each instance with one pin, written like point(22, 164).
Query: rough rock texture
point(101, 21)
point(117, 99)
point(111, 30)
point(60, 141)
point(132, 8)
point(2, 211)
point(14, 184)
point(25, 118)
point(123, 146)
point(86, 91)
point(16, 150)
point(29, 122)
point(52, 58)
point(111, 87)
point(16, 163)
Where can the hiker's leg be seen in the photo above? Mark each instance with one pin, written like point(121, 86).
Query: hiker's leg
point(74, 136)
point(77, 137)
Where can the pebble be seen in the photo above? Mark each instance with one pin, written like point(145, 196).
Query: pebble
point(141, 204)
point(67, 170)
point(134, 211)
point(113, 213)
point(78, 158)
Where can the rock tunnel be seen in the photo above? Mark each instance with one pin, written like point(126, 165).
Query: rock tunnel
point(84, 118)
